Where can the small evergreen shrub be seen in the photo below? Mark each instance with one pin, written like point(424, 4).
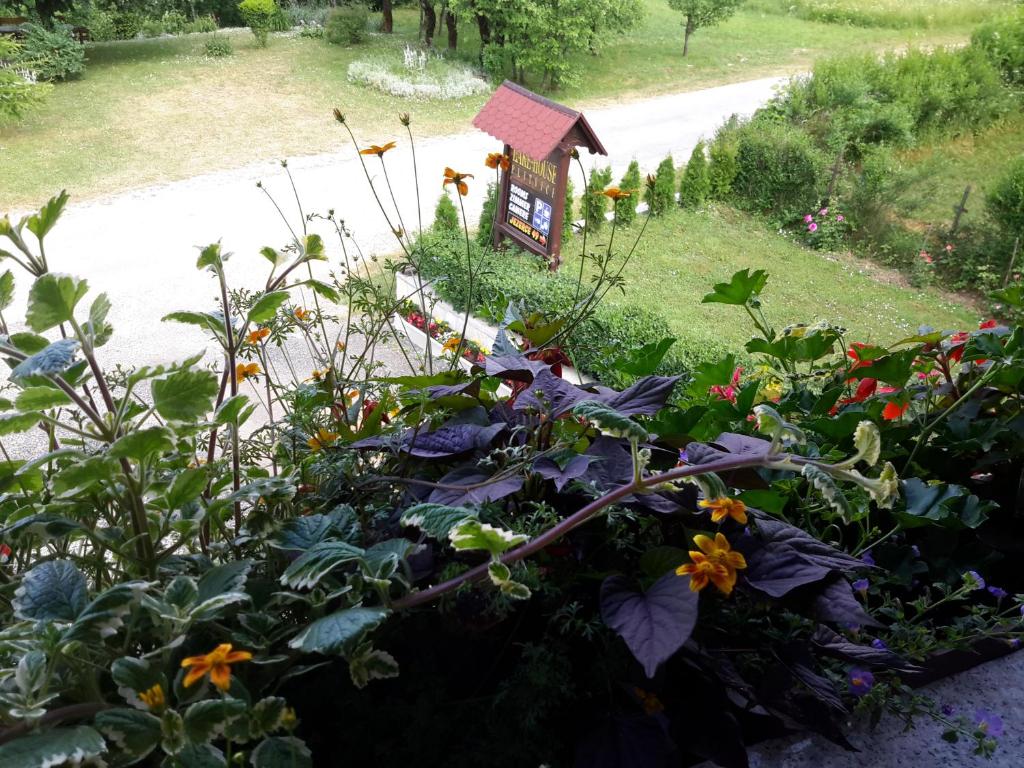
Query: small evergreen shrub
point(485, 228)
point(446, 215)
point(723, 167)
point(625, 209)
point(259, 16)
point(218, 46)
point(661, 195)
point(17, 94)
point(346, 24)
point(695, 188)
point(779, 170)
point(595, 203)
point(51, 55)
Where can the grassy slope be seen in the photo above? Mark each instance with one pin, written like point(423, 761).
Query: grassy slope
point(684, 253)
point(154, 110)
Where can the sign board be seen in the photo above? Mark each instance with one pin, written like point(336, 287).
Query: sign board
point(539, 137)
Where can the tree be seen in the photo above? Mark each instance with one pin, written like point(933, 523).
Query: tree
point(387, 23)
point(595, 203)
point(567, 230)
point(703, 13)
point(660, 195)
point(446, 215)
point(625, 209)
point(486, 228)
point(696, 184)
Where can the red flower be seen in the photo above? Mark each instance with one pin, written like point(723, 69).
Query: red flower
point(956, 345)
point(854, 353)
point(987, 324)
point(893, 410)
point(728, 391)
point(864, 390)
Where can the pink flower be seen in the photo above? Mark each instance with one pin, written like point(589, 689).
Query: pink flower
point(949, 247)
point(840, 217)
point(728, 392)
point(808, 219)
point(823, 212)
point(926, 258)
point(812, 227)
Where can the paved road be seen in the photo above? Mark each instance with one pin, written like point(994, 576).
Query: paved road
point(139, 247)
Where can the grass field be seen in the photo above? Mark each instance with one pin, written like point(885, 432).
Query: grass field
point(896, 14)
point(684, 253)
point(156, 110)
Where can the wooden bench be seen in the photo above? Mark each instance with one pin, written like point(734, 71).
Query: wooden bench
point(10, 26)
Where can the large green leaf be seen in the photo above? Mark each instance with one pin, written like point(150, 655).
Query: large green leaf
point(266, 306)
point(645, 360)
point(333, 633)
point(282, 752)
point(41, 398)
point(311, 566)
point(134, 676)
point(472, 534)
point(197, 756)
point(185, 395)
point(235, 410)
point(187, 486)
point(39, 224)
point(83, 475)
point(53, 747)
point(52, 591)
point(52, 300)
point(946, 506)
point(229, 577)
point(12, 423)
point(134, 734)
point(610, 421)
point(6, 289)
point(212, 257)
point(207, 719)
point(437, 520)
point(142, 444)
point(206, 320)
point(741, 288)
point(104, 616)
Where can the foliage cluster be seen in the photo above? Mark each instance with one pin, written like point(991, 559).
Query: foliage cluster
point(346, 24)
point(19, 93)
point(51, 55)
point(695, 187)
point(260, 16)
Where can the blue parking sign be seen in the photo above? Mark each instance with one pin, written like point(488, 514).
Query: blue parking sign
point(541, 216)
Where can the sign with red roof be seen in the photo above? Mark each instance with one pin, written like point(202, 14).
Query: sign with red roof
point(539, 136)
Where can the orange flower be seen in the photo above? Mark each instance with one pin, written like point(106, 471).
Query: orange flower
point(373, 149)
point(245, 370)
point(496, 160)
point(452, 344)
point(724, 507)
point(258, 335)
point(216, 663)
point(894, 409)
point(716, 563)
point(458, 179)
point(321, 439)
point(300, 313)
point(352, 395)
point(615, 193)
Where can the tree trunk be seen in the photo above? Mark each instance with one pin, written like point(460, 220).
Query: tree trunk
point(485, 30)
point(387, 23)
point(686, 38)
point(453, 30)
point(429, 20)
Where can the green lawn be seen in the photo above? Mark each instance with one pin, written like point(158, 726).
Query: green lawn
point(156, 110)
point(943, 170)
point(684, 253)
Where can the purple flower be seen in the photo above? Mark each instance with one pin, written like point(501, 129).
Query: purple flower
point(973, 580)
point(867, 559)
point(808, 219)
point(840, 217)
point(812, 227)
point(861, 681)
point(988, 723)
point(996, 592)
point(948, 710)
point(823, 212)
point(914, 548)
point(684, 457)
point(861, 585)
point(879, 645)
point(1014, 642)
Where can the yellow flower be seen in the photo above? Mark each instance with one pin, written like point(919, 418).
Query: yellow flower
point(615, 193)
point(458, 179)
point(725, 507)
point(340, 346)
point(716, 563)
point(318, 375)
point(452, 344)
point(352, 395)
point(321, 439)
point(258, 335)
point(497, 160)
point(289, 719)
point(373, 149)
point(217, 663)
point(245, 370)
point(153, 698)
point(300, 313)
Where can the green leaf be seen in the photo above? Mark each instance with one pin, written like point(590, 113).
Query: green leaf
point(207, 719)
point(185, 395)
point(266, 306)
point(277, 258)
point(282, 752)
point(12, 423)
point(323, 289)
point(211, 257)
point(52, 300)
point(301, 533)
point(942, 505)
point(41, 398)
point(892, 369)
point(1013, 295)
point(826, 486)
point(83, 475)
point(234, 410)
point(332, 633)
point(104, 616)
point(197, 756)
point(204, 320)
point(53, 747)
point(187, 487)
point(29, 343)
point(6, 289)
point(312, 248)
point(472, 534)
point(436, 520)
point(367, 663)
point(172, 735)
point(741, 288)
point(45, 525)
point(644, 361)
point(52, 591)
point(142, 444)
point(39, 224)
point(229, 577)
point(135, 734)
point(610, 421)
point(308, 568)
point(538, 335)
point(267, 715)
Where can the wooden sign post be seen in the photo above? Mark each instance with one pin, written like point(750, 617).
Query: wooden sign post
point(539, 136)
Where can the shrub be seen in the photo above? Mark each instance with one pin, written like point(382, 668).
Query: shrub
point(218, 46)
point(625, 209)
point(595, 203)
point(1005, 201)
point(101, 25)
point(51, 55)
point(485, 228)
point(346, 25)
point(446, 215)
point(662, 194)
point(127, 25)
point(17, 93)
point(174, 22)
point(152, 28)
point(695, 187)
point(567, 219)
point(259, 16)
point(779, 170)
point(1002, 41)
point(202, 24)
point(723, 167)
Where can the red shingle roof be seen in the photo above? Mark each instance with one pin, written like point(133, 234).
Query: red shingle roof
point(531, 123)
